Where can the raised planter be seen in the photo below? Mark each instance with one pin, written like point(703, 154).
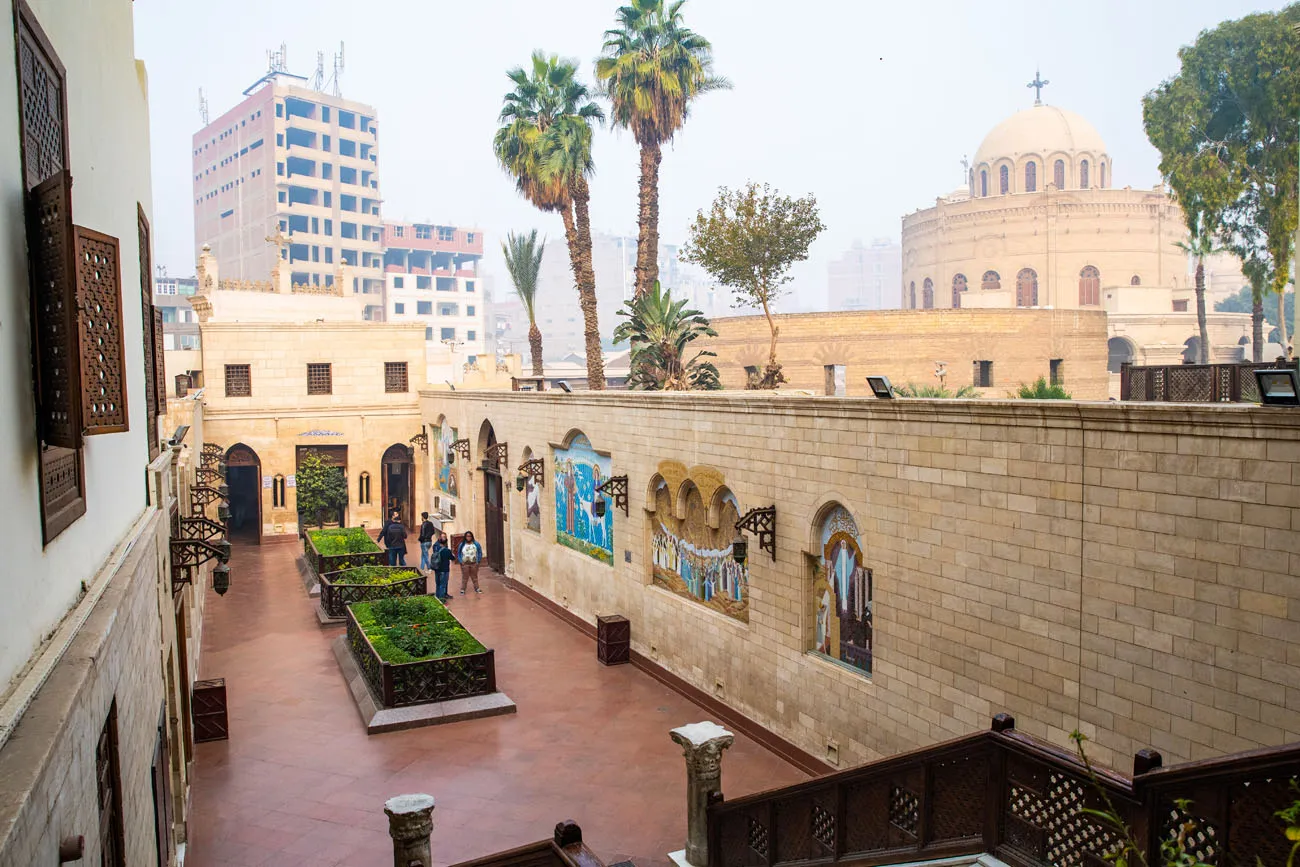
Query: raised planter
point(425, 681)
point(362, 550)
point(336, 591)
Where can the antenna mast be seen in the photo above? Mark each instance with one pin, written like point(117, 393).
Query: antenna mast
point(277, 61)
point(318, 80)
point(203, 107)
point(336, 78)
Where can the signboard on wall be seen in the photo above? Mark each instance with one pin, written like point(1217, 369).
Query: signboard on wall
point(266, 481)
point(291, 481)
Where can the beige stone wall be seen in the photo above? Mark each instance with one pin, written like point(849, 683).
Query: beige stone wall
point(905, 344)
point(1122, 233)
point(1129, 570)
point(279, 416)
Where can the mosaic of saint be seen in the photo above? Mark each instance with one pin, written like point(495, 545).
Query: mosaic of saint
point(532, 505)
point(444, 436)
point(693, 559)
point(578, 472)
point(842, 593)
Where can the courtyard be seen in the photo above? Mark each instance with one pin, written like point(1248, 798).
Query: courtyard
point(300, 782)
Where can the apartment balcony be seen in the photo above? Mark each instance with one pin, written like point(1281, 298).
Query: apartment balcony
point(460, 242)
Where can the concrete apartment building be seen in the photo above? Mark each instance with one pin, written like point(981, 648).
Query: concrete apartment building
point(431, 275)
point(292, 172)
point(172, 296)
point(866, 277)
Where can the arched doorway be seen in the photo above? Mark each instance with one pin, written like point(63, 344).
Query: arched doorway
point(398, 465)
point(1192, 350)
point(494, 546)
point(244, 478)
point(1119, 351)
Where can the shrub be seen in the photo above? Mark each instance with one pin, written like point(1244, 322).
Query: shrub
point(345, 540)
point(374, 575)
point(413, 629)
point(1040, 390)
point(936, 391)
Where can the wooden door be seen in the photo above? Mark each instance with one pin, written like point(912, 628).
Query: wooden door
point(162, 792)
point(210, 722)
point(494, 521)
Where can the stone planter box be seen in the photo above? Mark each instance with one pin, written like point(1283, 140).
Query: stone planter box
point(335, 594)
point(322, 564)
point(412, 683)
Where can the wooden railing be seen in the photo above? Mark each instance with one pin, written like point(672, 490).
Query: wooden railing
point(565, 849)
point(1010, 795)
point(1194, 383)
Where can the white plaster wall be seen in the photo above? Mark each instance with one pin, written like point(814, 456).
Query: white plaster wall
point(109, 154)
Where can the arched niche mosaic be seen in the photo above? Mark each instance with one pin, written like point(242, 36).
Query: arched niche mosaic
point(532, 498)
point(579, 470)
point(690, 544)
point(841, 592)
point(444, 474)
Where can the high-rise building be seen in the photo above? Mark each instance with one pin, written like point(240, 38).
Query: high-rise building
point(866, 277)
point(431, 275)
point(292, 172)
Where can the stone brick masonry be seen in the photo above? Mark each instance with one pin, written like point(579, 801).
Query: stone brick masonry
point(1129, 570)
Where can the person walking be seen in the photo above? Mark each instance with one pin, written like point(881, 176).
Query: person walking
point(393, 537)
point(440, 560)
point(426, 539)
point(469, 555)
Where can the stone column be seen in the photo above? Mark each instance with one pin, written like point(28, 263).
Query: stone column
point(410, 822)
point(702, 743)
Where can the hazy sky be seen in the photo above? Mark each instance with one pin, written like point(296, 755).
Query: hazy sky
point(868, 105)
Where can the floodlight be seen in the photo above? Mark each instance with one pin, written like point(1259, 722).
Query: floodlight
point(880, 387)
point(1278, 387)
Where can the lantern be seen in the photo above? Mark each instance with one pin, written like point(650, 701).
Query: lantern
point(740, 550)
point(451, 456)
point(223, 512)
point(521, 482)
point(598, 507)
point(221, 579)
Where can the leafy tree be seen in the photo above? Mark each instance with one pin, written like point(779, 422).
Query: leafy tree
point(322, 491)
point(661, 332)
point(1040, 390)
point(652, 69)
point(1227, 135)
point(748, 240)
point(935, 391)
point(1241, 303)
point(544, 143)
point(523, 260)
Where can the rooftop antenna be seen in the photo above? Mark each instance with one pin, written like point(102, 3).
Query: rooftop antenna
point(276, 61)
point(336, 80)
point(203, 107)
point(318, 80)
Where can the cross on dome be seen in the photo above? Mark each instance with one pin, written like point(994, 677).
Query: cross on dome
point(1038, 84)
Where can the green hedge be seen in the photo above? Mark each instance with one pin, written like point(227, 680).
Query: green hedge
point(344, 540)
point(374, 575)
point(413, 629)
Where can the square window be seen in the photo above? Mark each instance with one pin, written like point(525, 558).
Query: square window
point(398, 281)
point(399, 308)
point(983, 374)
point(449, 334)
point(424, 308)
point(471, 335)
point(469, 285)
point(395, 379)
point(469, 310)
point(320, 379)
point(239, 381)
point(423, 232)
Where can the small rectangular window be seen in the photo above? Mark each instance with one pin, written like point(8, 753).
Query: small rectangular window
point(397, 282)
point(326, 172)
point(279, 110)
point(239, 380)
point(428, 333)
point(1056, 369)
point(329, 255)
point(469, 285)
point(279, 169)
point(449, 334)
point(108, 776)
point(469, 310)
point(1180, 306)
point(471, 335)
point(279, 139)
point(395, 379)
point(423, 232)
point(320, 379)
point(399, 308)
point(983, 374)
point(325, 143)
point(424, 308)
point(446, 233)
point(324, 114)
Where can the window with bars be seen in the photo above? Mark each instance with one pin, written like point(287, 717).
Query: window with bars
point(320, 378)
point(1083, 175)
point(1031, 177)
point(239, 380)
point(423, 233)
point(1004, 180)
point(108, 779)
point(1058, 174)
point(1056, 370)
point(395, 379)
point(983, 374)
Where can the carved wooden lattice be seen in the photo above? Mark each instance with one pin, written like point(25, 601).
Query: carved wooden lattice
point(99, 303)
point(239, 380)
point(1046, 823)
point(54, 300)
point(61, 479)
point(904, 810)
point(319, 379)
point(160, 367)
point(1199, 837)
point(395, 377)
point(1191, 383)
point(43, 105)
point(151, 356)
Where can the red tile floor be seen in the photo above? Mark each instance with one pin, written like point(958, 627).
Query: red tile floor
point(300, 782)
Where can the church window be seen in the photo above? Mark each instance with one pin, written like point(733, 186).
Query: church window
point(1103, 176)
point(991, 280)
point(363, 489)
point(1004, 180)
point(984, 182)
point(983, 374)
point(1027, 288)
point(841, 592)
point(1136, 281)
point(927, 294)
point(277, 492)
point(911, 296)
point(958, 287)
point(1083, 175)
point(1089, 287)
point(1031, 177)
point(1058, 174)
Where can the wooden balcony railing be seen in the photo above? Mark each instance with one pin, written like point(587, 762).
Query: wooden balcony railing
point(565, 849)
point(1194, 383)
point(1015, 797)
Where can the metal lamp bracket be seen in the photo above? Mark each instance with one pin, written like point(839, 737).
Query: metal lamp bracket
point(498, 454)
point(616, 487)
point(762, 523)
point(536, 468)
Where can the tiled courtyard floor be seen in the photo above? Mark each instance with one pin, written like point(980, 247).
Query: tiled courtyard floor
point(300, 782)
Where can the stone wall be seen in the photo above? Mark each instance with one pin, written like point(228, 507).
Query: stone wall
point(905, 344)
point(1128, 570)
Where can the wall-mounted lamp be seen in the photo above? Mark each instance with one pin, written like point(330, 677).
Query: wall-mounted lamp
point(1278, 387)
point(422, 440)
point(178, 436)
point(213, 475)
point(880, 387)
point(762, 523)
point(460, 447)
point(740, 550)
point(210, 455)
point(221, 579)
point(616, 487)
point(450, 384)
point(202, 496)
point(564, 386)
point(536, 468)
point(223, 512)
point(521, 481)
point(188, 554)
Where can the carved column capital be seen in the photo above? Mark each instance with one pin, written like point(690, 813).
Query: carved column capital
point(410, 822)
point(702, 744)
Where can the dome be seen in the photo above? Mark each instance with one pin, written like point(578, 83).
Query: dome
point(1042, 130)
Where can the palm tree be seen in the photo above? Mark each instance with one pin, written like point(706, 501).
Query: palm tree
point(523, 260)
point(1199, 245)
point(652, 69)
point(544, 143)
point(661, 331)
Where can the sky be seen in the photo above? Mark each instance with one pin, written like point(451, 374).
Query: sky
point(870, 106)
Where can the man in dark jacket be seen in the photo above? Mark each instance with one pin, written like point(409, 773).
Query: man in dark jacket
point(426, 539)
point(440, 561)
point(393, 538)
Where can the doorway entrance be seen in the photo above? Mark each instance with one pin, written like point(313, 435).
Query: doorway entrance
point(332, 456)
point(244, 478)
point(399, 483)
point(494, 509)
